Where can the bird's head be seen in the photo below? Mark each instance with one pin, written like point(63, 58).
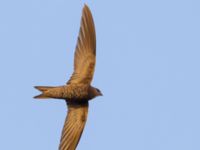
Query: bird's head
point(98, 92)
point(94, 92)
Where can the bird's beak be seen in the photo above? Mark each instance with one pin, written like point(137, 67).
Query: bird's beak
point(101, 94)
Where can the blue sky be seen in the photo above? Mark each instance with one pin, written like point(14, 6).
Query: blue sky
point(148, 57)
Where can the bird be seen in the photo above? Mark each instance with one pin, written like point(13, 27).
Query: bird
point(78, 91)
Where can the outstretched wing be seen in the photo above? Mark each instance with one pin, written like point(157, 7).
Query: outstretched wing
point(85, 54)
point(74, 125)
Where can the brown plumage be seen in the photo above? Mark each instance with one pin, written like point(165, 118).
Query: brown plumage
point(78, 91)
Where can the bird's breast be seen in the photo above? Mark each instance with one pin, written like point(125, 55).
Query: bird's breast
point(75, 93)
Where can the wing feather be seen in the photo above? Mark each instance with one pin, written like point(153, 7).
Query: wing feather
point(85, 53)
point(74, 125)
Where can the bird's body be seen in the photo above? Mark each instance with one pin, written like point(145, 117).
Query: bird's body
point(71, 93)
point(78, 90)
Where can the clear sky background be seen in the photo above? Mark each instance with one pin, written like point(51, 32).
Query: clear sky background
point(148, 68)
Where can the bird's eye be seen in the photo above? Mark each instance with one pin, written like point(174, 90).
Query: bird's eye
point(98, 90)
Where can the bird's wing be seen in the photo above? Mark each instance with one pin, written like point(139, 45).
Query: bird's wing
point(85, 53)
point(73, 127)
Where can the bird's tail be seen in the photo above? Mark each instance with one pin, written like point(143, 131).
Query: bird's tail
point(43, 89)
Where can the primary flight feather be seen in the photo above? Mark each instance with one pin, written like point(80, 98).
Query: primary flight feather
point(85, 54)
point(78, 91)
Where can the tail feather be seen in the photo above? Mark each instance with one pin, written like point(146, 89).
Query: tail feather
point(43, 89)
point(41, 96)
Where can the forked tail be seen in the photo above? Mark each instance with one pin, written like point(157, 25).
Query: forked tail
point(43, 89)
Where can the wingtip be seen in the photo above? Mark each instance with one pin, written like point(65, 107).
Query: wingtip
point(86, 7)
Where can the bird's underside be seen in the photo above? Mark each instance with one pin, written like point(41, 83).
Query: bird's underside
point(78, 90)
point(70, 93)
